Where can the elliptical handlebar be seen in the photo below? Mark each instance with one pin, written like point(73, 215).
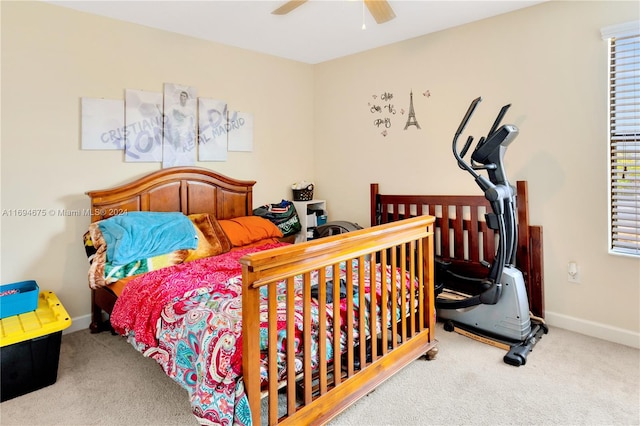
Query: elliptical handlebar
point(488, 155)
point(459, 155)
point(467, 116)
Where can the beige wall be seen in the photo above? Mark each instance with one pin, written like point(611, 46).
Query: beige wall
point(313, 122)
point(53, 56)
point(549, 62)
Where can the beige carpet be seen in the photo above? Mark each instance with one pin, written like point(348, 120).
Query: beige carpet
point(569, 379)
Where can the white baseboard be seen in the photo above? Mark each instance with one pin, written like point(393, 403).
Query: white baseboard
point(77, 324)
point(589, 328)
point(594, 329)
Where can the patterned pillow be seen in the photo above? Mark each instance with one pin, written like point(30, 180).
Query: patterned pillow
point(212, 240)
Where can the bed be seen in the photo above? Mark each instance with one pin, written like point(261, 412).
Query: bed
point(462, 237)
point(278, 358)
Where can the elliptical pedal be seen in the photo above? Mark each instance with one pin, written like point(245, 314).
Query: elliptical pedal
point(517, 352)
point(517, 355)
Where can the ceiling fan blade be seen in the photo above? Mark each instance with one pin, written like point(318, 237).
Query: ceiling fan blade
point(288, 7)
point(380, 10)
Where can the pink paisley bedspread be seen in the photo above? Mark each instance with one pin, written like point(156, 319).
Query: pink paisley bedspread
point(139, 306)
point(188, 318)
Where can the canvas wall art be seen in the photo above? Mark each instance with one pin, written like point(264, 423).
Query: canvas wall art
point(143, 119)
point(240, 129)
point(179, 142)
point(172, 127)
point(212, 130)
point(102, 123)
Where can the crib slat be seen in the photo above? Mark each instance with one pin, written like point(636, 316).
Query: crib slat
point(458, 230)
point(384, 301)
point(291, 362)
point(337, 368)
point(394, 297)
point(322, 330)
point(403, 291)
point(412, 288)
point(373, 312)
point(472, 235)
point(350, 315)
point(407, 210)
point(361, 318)
point(421, 293)
point(273, 356)
point(306, 337)
point(429, 315)
point(396, 212)
point(445, 250)
point(251, 343)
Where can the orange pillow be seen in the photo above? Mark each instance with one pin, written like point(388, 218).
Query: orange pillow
point(249, 229)
point(212, 240)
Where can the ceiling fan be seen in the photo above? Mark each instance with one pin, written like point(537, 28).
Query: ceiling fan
point(379, 9)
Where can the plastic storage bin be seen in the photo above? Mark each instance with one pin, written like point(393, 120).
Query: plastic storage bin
point(25, 300)
point(30, 347)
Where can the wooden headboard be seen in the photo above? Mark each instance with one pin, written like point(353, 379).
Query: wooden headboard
point(177, 189)
point(462, 236)
point(188, 190)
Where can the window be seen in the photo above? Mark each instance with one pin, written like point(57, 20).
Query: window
point(624, 137)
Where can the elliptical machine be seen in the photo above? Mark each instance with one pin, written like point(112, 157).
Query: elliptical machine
point(499, 309)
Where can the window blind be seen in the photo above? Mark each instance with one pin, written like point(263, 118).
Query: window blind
point(624, 137)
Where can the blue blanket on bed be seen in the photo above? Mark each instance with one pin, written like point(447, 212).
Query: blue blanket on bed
point(140, 235)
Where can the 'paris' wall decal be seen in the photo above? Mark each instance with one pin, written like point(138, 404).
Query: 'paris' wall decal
point(385, 115)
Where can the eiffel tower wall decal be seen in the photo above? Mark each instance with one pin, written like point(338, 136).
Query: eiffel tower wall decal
point(386, 118)
point(411, 119)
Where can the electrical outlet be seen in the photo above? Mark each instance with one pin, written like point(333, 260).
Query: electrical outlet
point(573, 273)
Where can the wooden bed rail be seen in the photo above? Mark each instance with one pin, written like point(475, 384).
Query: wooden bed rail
point(317, 393)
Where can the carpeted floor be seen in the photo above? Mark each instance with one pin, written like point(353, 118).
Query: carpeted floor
point(569, 379)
